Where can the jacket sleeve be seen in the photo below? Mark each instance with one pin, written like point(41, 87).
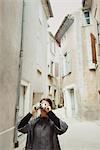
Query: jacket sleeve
point(59, 125)
point(24, 124)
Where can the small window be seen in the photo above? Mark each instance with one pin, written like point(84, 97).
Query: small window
point(52, 47)
point(54, 93)
point(87, 20)
point(52, 63)
point(49, 90)
point(67, 63)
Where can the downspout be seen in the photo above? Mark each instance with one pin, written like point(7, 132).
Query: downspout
point(16, 143)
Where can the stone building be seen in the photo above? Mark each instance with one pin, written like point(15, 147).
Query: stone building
point(34, 58)
point(53, 61)
point(94, 7)
point(79, 52)
point(23, 63)
point(10, 49)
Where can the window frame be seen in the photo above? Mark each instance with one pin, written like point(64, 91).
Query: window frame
point(84, 18)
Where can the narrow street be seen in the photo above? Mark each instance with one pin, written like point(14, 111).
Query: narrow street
point(50, 53)
point(81, 135)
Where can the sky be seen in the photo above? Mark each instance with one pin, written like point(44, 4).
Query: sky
point(60, 9)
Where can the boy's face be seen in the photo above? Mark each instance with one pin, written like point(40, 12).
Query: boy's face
point(44, 104)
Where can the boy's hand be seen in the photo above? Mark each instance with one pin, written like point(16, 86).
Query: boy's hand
point(34, 110)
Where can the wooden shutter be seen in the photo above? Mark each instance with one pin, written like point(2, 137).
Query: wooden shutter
point(93, 46)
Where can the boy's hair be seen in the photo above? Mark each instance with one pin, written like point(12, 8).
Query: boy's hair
point(48, 100)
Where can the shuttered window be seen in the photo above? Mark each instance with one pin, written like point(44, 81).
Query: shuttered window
point(67, 63)
point(51, 69)
point(93, 46)
point(87, 16)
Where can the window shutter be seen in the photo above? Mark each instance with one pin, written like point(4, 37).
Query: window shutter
point(93, 46)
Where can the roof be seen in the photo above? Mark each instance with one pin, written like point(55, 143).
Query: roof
point(47, 7)
point(67, 22)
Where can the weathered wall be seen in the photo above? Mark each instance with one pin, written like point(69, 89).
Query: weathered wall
point(90, 102)
point(84, 80)
point(10, 30)
point(95, 11)
point(35, 47)
point(54, 82)
point(75, 79)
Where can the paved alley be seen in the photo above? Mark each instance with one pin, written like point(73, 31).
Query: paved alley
point(81, 135)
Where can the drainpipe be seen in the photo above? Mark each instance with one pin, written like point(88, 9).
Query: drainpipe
point(16, 143)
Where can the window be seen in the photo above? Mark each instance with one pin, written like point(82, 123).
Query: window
point(86, 17)
point(93, 46)
point(67, 63)
point(52, 47)
point(50, 90)
point(54, 93)
point(52, 64)
point(51, 69)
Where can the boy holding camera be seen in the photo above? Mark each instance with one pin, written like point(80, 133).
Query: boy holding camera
point(42, 132)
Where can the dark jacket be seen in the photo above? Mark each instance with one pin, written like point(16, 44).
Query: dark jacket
point(27, 125)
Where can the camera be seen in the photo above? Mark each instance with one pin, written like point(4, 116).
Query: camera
point(40, 106)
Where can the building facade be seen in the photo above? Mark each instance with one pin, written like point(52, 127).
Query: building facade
point(23, 64)
point(53, 61)
point(94, 7)
point(79, 80)
point(10, 48)
point(34, 57)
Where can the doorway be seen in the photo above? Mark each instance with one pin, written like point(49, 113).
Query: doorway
point(70, 102)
